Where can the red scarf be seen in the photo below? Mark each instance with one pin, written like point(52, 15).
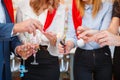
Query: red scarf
point(9, 7)
point(77, 19)
point(49, 19)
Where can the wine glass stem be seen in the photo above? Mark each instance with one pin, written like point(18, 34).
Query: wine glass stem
point(34, 58)
point(23, 62)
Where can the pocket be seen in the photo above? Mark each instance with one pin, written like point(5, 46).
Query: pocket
point(104, 58)
point(108, 59)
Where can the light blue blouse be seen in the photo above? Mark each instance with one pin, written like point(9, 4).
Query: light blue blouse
point(100, 22)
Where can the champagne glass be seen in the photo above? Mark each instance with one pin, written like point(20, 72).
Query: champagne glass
point(22, 66)
point(28, 38)
point(35, 41)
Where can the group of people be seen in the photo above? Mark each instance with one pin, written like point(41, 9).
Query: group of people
point(94, 21)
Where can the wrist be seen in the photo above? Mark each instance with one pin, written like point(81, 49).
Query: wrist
point(70, 44)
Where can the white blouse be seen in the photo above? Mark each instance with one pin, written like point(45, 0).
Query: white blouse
point(57, 26)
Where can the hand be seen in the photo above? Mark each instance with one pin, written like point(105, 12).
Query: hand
point(66, 48)
point(86, 34)
point(52, 37)
point(26, 50)
point(81, 33)
point(106, 38)
point(29, 26)
point(81, 29)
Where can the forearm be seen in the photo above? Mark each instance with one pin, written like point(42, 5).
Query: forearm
point(14, 43)
point(114, 25)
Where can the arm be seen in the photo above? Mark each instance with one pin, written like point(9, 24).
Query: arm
point(71, 38)
point(107, 38)
point(115, 20)
point(114, 26)
point(14, 43)
point(71, 33)
point(58, 29)
point(29, 25)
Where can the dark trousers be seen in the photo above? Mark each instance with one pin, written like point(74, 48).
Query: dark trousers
point(116, 63)
point(6, 74)
point(3, 74)
point(48, 68)
point(93, 64)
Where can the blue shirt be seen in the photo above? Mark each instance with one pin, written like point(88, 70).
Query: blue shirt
point(100, 22)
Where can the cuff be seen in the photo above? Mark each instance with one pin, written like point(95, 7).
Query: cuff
point(53, 50)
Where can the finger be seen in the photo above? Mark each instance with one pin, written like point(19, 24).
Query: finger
point(100, 36)
point(18, 49)
point(29, 29)
point(85, 33)
point(38, 25)
point(60, 48)
point(49, 36)
point(93, 38)
point(28, 54)
point(103, 44)
point(33, 29)
point(22, 47)
point(78, 31)
point(61, 51)
point(67, 49)
point(102, 40)
point(80, 28)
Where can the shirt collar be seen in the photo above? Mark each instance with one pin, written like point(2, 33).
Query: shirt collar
point(88, 7)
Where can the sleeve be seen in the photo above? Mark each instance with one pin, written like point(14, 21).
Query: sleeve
point(71, 34)
point(107, 18)
point(6, 30)
point(116, 10)
point(14, 43)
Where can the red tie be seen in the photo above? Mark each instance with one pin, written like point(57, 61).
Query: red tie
point(9, 7)
point(49, 19)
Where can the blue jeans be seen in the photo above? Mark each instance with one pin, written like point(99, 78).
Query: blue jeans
point(93, 64)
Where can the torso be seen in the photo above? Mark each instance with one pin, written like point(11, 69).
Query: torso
point(57, 25)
